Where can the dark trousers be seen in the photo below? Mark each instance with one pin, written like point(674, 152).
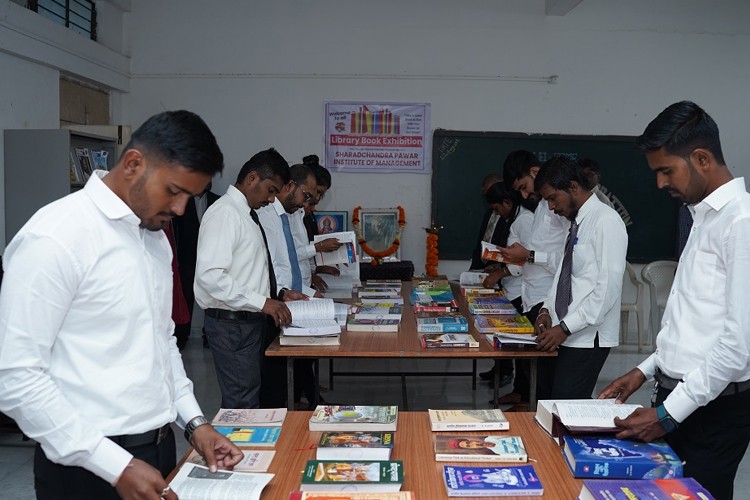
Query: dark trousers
point(712, 441)
point(236, 348)
point(304, 380)
point(573, 374)
point(273, 372)
point(522, 380)
point(60, 482)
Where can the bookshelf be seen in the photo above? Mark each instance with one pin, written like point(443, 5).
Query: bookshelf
point(37, 167)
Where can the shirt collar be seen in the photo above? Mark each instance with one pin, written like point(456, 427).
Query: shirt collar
point(720, 196)
point(279, 207)
point(111, 205)
point(237, 197)
point(586, 208)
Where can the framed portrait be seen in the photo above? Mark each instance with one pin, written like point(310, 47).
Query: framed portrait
point(379, 229)
point(332, 222)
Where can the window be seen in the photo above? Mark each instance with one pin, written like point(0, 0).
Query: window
point(78, 15)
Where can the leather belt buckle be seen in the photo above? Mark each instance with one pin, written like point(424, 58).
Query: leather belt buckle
point(162, 433)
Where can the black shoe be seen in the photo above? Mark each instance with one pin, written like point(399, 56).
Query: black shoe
point(505, 380)
point(488, 375)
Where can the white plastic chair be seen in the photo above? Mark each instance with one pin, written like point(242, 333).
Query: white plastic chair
point(636, 306)
point(658, 275)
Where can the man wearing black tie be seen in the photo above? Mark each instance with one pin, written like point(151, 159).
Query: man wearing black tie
point(584, 301)
point(235, 282)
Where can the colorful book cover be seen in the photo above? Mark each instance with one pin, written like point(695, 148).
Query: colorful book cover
point(431, 340)
point(468, 420)
point(517, 480)
point(372, 325)
point(504, 324)
point(361, 418)
point(338, 475)
point(448, 324)
point(382, 310)
point(355, 446)
point(655, 489)
point(254, 417)
point(487, 448)
point(250, 436)
point(252, 460)
point(334, 495)
point(492, 305)
point(606, 456)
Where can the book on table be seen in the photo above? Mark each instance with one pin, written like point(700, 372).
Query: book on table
point(472, 278)
point(361, 475)
point(512, 341)
point(467, 420)
point(581, 415)
point(246, 435)
point(194, 482)
point(441, 323)
point(485, 448)
point(373, 325)
point(252, 460)
point(354, 418)
point(492, 305)
point(355, 446)
point(339, 287)
point(503, 324)
point(345, 254)
point(314, 317)
point(511, 480)
point(432, 295)
point(399, 301)
point(384, 282)
point(685, 488)
point(447, 340)
point(380, 310)
point(337, 495)
point(609, 457)
point(303, 340)
point(258, 417)
point(379, 292)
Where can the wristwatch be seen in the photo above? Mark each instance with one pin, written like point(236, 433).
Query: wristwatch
point(281, 294)
point(564, 328)
point(530, 258)
point(192, 425)
point(665, 419)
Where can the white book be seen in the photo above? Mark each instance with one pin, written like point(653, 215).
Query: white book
point(254, 417)
point(302, 340)
point(346, 253)
point(581, 414)
point(194, 482)
point(312, 317)
point(468, 420)
point(472, 278)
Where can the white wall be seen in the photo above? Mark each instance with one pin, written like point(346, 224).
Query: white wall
point(259, 72)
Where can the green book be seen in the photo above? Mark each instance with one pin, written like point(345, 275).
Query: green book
point(365, 476)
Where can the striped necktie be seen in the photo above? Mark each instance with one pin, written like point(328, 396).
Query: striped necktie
point(564, 285)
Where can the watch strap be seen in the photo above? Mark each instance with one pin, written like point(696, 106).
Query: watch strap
point(666, 421)
point(193, 424)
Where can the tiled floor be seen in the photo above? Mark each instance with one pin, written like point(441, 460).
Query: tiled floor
point(16, 456)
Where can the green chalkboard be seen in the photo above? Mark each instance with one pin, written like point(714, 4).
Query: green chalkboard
point(460, 160)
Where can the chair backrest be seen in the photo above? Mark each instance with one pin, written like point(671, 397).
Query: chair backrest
point(659, 275)
point(637, 284)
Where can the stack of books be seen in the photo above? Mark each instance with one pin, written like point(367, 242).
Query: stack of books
point(432, 295)
point(383, 291)
point(375, 317)
point(504, 324)
point(490, 303)
point(441, 323)
point(250, 427)
point(472, 282)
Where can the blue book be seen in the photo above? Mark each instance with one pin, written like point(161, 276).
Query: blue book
point(443, 324)
point(609, 457)
point(518, 480)
point(250, 436)
point(655, 489)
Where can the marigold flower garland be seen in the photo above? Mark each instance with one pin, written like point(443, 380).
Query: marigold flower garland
point(379, 255)
point(431, 265)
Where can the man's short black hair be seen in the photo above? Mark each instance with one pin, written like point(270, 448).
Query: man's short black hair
point(179, 138)
point(498, 193)
point(267, 164)
point(558, 172)
point(322, 175)
point(680, 129)
point(300, 172)
point(517, 165)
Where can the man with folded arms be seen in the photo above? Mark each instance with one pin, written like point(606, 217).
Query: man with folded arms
point(701, 402)
point(88, 365)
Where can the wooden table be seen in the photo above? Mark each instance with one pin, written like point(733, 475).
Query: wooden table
point(414, 446)
point(405, 344)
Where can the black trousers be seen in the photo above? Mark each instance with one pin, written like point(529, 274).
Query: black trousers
point(60, 482)
point(712, 441)
point(573, 374)
point(522, 380)
point(273, 372)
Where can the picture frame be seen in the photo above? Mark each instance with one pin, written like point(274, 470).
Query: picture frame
point(332, 221)
point(379, 229)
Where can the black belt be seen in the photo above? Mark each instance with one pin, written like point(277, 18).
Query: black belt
point(670, 383)
point(145, 438)
point(233, 315)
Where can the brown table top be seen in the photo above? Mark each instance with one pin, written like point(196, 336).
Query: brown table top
point(413, 445)
point(402, 344)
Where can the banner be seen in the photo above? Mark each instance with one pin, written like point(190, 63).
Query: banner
point(375, 137)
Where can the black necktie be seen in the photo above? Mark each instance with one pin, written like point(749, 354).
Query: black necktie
point(564, 289)
point(271, 275)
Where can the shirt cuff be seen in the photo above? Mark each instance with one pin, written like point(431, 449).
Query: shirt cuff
point(648, 367)
point(309, 251)
point(187, 408)
point(515, 270)
point(256, 301)
point(308, 291)
point(540, 257)
point(108, 461)
point(679, 405)
point(574, 322)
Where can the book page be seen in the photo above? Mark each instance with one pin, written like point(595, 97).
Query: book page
point(197, 483)
point(472, 278)
point(311, 309)
point(592, 415)
point(346, 254)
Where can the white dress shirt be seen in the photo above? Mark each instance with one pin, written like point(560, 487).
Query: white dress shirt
point(705, 331)
point(270, 217)
point(548, 233)
point(596, 277)
point(231, 269)
point(305, 249)
point(86, 345)
point(520, 232)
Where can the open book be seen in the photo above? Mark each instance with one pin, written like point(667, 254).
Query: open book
point(196, 482)
point(346, 253)
point(581, 415)
point(315, 317)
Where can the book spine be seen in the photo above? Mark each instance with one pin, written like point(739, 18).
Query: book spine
point(443, 328)
point(483, 426)
point(424, 308)
point(452, 457)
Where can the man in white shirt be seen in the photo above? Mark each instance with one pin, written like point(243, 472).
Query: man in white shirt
point(234, 282)
point(88, 365)
point(581, 315)
point(701, 365)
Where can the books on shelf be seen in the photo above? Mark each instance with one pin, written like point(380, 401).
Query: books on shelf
point(345, 254)
point(246, 435)
point(302, 340)
point(432, 340)
point(503, 324)
point(314, 317)
point(334, 495)
point(262, 417)
point(194, 482)
point(379, 310)
point(355, 446)
point(487, 448)
point(685, 488)
point(252, 460)
point(492, 305)
point(437, 323)
point(607, 456)
point(354, 418)
point(581, 415)
point(512, 480)
point(365, 476)
point(468, 420)
point(373, 325)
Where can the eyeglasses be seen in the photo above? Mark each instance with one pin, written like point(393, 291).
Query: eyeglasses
point(307, 195)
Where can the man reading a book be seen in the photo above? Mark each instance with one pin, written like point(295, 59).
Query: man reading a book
point(701, 366)
point(88, 364)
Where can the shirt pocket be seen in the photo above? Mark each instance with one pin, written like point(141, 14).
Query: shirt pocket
point(702, 280)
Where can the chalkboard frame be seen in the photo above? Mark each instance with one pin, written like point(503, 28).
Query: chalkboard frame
point(654, 239)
